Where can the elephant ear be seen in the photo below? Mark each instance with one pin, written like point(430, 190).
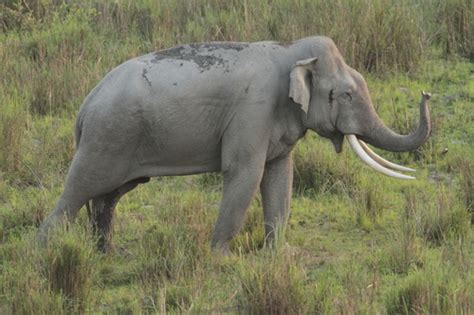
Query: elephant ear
point(300, 82)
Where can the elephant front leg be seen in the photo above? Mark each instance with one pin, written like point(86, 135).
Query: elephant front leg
point(240, 186)
point(276, 194)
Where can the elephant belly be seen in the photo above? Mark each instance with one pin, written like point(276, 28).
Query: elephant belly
point(178, 152)
point(180, 162)
point(152, 170)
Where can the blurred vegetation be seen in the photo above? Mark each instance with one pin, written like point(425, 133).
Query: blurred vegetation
point(358, 242)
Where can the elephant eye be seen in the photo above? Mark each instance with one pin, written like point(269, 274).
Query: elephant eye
point(349, 96)
point(331, 96)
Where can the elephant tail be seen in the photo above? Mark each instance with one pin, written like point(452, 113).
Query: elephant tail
point(78, 129)
point(88, 208)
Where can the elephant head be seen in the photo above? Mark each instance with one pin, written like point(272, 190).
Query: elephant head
point(337, 103)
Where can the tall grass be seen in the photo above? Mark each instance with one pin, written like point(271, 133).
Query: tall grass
point(272, 284)
point(409, 251)
point(467, 186)
point(429, 291)
point(368, 203)
point(440, 219)
point(404, 250)
point(68, 263)
point(53, 280)
point(316, 171)
point(455, 31)
point(13, 123)
point(173, 252)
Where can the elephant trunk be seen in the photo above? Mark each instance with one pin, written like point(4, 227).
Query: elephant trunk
point(384, 138)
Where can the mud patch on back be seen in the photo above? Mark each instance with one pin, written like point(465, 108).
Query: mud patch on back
point(284, 44)
point(144, 72)
point(221, 45)
point(205, 55)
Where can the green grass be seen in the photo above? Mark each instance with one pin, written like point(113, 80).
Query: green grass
point(358, 242)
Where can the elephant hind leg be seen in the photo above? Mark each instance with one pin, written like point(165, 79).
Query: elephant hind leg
point(101, 212)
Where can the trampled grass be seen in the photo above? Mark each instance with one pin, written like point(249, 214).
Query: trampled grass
point(357, 242)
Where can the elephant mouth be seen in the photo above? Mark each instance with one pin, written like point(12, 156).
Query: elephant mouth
point(337, 138)
point(375, 161)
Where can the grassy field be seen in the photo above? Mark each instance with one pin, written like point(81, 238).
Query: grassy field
point(358, 242)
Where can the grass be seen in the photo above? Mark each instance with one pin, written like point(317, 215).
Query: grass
point(272, 283)
point(358, 242)
point(69, 266)
point(430, 291)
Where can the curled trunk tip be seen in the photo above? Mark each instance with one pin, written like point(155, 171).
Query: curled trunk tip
point(384, 138)
point(425, 95)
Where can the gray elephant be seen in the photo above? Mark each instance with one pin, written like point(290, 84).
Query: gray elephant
point(235, 108)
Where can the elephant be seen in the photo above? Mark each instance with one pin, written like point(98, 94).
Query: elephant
point(237, 108)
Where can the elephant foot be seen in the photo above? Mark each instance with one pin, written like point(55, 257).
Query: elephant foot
point(221, 249)
point(53, 222)
point(42, 238)
point(105, 246)
point(291, 250)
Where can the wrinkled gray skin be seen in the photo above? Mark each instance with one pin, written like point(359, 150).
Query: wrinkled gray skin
point(235, 108)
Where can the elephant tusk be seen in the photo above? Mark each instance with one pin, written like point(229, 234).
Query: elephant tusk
point(380, 160)
point(355, 145)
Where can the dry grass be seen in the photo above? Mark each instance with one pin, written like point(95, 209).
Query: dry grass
point(410, 249)
point(272, 284)
point(467, 186)
point(69, 266)
point(316, 170)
